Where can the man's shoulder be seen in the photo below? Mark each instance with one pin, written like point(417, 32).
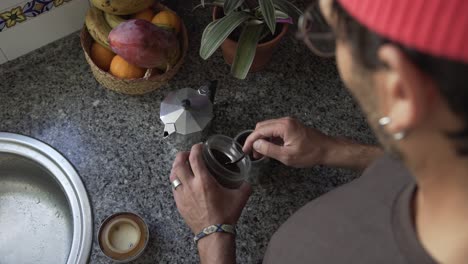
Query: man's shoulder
point(350, 224)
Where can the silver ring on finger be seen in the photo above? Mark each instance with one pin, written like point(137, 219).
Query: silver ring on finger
point(175, 183)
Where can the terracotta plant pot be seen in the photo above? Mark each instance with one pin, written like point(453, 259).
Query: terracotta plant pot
point(264, 50)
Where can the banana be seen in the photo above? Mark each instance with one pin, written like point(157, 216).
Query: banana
point(122, 7)
point(97, 26)
point(113, 20)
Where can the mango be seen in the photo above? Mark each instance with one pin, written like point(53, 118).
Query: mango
point(144, 44)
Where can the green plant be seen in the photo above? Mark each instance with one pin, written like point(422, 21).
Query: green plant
point(257, 19)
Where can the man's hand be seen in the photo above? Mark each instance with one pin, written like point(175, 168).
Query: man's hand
point(293, 144)
point(201, 200)
point(300, 147)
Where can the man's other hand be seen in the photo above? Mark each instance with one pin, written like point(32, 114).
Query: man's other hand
point(290, 142)
point(201, 200)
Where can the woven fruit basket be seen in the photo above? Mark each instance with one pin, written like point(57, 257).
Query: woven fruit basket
point(153, 80)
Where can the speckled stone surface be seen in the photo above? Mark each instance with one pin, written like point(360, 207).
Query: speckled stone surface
point(115, 141)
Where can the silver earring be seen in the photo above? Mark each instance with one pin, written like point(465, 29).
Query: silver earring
point(387, 120)
point(399, 136)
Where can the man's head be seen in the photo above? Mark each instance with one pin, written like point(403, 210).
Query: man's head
point(424, 95)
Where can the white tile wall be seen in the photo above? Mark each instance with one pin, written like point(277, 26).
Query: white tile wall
point(43, 29)
point(4, 4)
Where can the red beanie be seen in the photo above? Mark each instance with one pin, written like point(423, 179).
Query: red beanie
point(434, 27)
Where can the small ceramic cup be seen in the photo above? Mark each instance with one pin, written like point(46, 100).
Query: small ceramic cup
point(123, 236)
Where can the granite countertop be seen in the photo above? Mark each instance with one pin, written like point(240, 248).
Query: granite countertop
point(115, 141)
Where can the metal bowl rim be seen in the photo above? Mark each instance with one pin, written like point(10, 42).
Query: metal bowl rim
point(69, 180)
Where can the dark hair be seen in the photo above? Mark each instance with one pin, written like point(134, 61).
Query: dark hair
point(450, 76)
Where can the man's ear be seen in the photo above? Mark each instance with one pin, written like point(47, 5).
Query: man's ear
point(405, 92)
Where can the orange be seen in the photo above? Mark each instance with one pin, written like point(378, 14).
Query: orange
point(120, 68)
point(101, 56)
point(146, 14)
point(167, 19)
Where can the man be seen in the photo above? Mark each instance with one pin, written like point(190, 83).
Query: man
point(406, 63)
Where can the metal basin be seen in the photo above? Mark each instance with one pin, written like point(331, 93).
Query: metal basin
point(45, 215)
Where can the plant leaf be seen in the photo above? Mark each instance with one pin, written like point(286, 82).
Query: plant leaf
point(217, 31)
point(288, 8)
point(268, 12)
point(219, 3)
point(246, 49)
point(231, 5)
point(208, 29)
point(281, 15)
point(254, 22)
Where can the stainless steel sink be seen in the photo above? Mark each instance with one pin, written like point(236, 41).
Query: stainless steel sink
point(45, 215)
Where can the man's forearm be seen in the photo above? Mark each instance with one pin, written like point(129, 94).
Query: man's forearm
point(345, 153)
point(218, 248)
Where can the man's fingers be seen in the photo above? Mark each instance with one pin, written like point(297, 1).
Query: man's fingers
point(180, 169)
point(248, 145)
point(173, 176)
point(196, 161)
point(183, 173)
point(266, 122)
point(181, 158)
point(269, 130)
point(268, 149)
point(257, 155)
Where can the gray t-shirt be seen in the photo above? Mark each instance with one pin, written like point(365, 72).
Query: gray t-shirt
point(365, 221)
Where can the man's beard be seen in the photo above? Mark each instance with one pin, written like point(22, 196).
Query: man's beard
point(367, 99)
